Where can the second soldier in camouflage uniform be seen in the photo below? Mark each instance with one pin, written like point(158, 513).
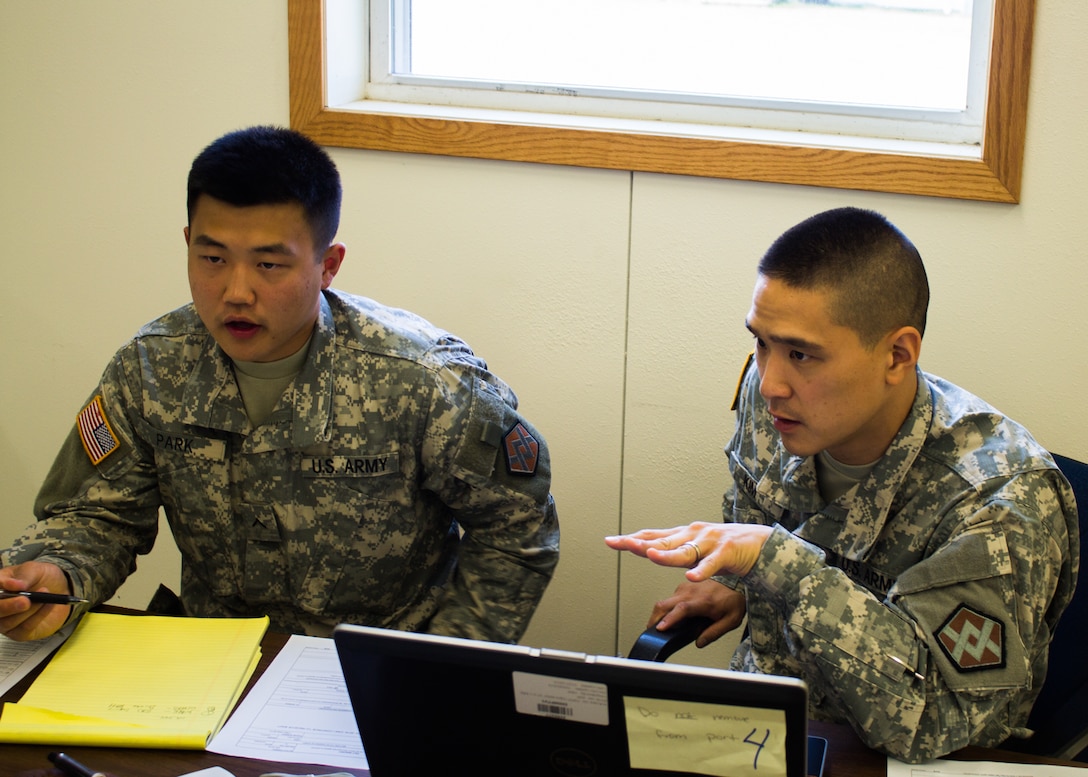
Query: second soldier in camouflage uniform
point(909, 564)
point(379, 474)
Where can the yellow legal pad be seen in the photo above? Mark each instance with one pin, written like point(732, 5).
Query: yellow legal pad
point(138, 681)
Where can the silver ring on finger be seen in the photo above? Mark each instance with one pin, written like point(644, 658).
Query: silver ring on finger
point(698, 553)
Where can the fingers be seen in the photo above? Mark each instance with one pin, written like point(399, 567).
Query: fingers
point(9, 579)
point(641, 541)
point(13, 611)
point(709, 599)
point(690, 600)
point(694, 549)
point(701, 552)
point(673, 613)
point(22, 619)
point(676, 547)
point(16, 617)
point(38, 623)
point(668, 613)
point(705, 549)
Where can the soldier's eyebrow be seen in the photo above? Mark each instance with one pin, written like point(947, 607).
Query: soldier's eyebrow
point(799, 343)
point(278, 249)
point(205, 240)
point(274, 248)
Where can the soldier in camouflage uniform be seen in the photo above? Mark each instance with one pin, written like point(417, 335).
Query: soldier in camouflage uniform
point(320, 458)
point(895, 541)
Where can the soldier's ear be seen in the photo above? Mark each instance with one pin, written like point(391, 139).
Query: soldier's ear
point(331, 261)
point(904, 348)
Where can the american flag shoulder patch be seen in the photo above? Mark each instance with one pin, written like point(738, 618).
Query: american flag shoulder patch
point(95, 433)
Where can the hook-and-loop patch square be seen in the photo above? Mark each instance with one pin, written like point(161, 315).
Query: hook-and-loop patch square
point(973, 640)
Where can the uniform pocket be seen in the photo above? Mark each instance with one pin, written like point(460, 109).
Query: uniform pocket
point(194, 484)
point(371, 534)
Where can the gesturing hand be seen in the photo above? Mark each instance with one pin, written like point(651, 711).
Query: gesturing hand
point(706, 549)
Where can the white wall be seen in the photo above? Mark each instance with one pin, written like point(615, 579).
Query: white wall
point(612, 302)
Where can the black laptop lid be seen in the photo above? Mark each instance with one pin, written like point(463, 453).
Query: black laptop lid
point(429, 705)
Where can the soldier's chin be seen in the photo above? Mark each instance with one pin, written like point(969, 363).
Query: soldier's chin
point(796, 447)
point(237, 348)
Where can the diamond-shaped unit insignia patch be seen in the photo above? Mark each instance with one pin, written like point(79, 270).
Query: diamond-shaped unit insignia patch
point(521, 450)
point(973, 640)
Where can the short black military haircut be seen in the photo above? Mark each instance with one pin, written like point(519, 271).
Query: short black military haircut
point(270, 166)
point(874, 272)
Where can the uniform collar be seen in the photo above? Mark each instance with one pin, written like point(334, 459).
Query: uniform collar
point(854, 521)
point(213, 400)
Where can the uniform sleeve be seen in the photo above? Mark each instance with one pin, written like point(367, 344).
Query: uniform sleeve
point(491, 467)
point(95, 517)
point(946, 659)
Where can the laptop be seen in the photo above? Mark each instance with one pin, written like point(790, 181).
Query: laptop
point(433, 705)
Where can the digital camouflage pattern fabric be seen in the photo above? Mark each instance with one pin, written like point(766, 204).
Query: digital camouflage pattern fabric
point(919, 605)
point(394, 485)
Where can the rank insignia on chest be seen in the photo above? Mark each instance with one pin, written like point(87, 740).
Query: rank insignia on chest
point(972, 640)
point(95, 433)
point(521, 450)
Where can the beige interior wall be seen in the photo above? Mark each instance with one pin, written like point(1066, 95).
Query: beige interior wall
point(612, 302)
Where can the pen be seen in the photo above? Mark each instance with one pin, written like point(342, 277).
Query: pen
point(71, 766)
point(39, 597)
point(903, 664)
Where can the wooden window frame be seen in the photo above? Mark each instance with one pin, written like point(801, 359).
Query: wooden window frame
point(994, 177)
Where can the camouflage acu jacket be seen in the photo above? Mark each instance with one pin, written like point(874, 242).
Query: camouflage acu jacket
point(919, 605)
point(394, 485)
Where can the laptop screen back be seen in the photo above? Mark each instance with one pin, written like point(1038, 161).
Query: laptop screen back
point(429, 705)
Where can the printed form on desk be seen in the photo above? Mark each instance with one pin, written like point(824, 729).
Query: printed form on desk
point(947, 768)
point(18, 659)
point(298, 711)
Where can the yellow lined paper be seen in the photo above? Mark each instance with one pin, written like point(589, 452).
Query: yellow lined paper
point(138, 681)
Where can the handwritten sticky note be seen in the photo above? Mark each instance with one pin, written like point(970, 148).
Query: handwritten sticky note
point(714, 739)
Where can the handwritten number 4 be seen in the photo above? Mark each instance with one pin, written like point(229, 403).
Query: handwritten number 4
point(759, 744)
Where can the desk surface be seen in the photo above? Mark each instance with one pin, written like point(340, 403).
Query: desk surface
point(847, 756)
point(32, 761)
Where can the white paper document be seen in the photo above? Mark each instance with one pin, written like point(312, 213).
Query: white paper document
point(297, 712)
point(18, 659)
point(945, 768)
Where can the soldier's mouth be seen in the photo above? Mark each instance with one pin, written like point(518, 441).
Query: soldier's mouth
point(241, 328)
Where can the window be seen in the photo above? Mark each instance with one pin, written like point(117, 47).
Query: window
point(419, 97)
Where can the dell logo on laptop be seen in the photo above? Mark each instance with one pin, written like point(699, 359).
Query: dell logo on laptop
point(573, 763)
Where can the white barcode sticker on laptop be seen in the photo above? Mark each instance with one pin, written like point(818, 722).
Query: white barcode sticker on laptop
point(559, 697)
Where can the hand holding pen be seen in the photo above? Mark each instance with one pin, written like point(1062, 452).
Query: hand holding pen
point(35, 600)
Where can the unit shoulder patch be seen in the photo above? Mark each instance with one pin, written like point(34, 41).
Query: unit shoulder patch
point(521, 450)
point(973, 640)
point(95, 432)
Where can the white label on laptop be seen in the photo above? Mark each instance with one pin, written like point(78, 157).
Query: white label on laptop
point(714, 739)
point(559, 697)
